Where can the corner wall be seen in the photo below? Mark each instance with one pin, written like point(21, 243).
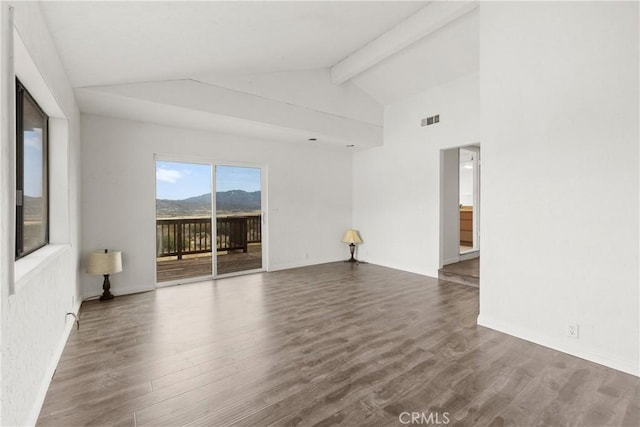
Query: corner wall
point(308, 189)
point(559, 104)
point(34, 322)
point(397, 186)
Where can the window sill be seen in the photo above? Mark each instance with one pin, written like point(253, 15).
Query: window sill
point(27, 267)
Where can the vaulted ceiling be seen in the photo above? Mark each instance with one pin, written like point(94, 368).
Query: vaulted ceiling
point(284, 71)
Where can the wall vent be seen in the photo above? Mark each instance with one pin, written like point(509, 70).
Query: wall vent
point(430, 120)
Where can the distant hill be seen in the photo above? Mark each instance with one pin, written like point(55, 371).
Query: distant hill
point(227, 201)
point(33, 208)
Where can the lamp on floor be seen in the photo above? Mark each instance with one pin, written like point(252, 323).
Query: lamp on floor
point(105, 263)
point(352, 238)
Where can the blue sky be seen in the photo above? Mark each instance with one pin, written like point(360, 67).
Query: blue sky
point(177, 181)
point(33, 163)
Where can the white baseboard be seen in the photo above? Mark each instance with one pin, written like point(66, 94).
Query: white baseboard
point(51, 369)
point(557, 344)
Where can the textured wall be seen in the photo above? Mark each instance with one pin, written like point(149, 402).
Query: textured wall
point(33, 324)
point(34, 331)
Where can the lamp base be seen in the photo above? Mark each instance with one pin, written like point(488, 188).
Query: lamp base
point(106, 286)
point(352, 249)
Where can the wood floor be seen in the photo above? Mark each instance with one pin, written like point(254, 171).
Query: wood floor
point(335, 344)
point(465, 272)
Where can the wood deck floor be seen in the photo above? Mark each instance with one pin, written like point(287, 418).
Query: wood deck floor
point(169, 269)
point(334, 344)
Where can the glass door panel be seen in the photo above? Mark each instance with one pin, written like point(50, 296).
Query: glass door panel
point(238, 219)
point(183, 221)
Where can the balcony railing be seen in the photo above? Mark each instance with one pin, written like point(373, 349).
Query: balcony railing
point(186, 236)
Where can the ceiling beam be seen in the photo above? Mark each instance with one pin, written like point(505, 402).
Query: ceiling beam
point(426, 21)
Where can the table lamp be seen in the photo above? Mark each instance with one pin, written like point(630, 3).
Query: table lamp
point(105, 262)
point(352, 238)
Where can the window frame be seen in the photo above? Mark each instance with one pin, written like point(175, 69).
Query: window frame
point(21, 94)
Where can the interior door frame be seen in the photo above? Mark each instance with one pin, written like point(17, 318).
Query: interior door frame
point(444, 257)
point(476, 197)
point(475, 250)
point(212, 162)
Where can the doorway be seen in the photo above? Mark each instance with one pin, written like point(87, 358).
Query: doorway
point(460, 214)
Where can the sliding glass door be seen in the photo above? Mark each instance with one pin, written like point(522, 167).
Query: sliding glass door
point(190, 240)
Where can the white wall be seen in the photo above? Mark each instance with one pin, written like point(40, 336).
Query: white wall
point(309, 194)
point(34, 323)
point(559, 91)
point(397, 186)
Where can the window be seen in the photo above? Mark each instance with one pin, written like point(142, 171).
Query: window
point(32, 180)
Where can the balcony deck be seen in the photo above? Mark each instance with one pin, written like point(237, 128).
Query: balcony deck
point(198, 265)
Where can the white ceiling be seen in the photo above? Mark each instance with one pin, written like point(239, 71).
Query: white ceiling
point(260, 69)
point(447, 54)
point(124, 42)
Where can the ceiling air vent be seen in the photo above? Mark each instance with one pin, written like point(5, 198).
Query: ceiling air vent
point(430, 120)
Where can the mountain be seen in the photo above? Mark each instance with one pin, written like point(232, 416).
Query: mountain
point(227, 201)
point(238, 201)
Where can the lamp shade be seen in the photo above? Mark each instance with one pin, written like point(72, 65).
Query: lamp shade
point(352, 236)
point(105, 262)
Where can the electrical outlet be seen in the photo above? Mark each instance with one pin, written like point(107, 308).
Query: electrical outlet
point(572, 330)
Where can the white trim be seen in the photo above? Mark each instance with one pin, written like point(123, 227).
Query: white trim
point(51, 369)
point(7, 152)
point(476, 196)
point(214, 219)
point(555, 343)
